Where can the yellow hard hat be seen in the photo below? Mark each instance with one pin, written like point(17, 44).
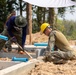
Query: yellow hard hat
point(44, 26)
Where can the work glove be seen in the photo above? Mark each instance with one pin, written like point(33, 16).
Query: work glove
point(13, 39)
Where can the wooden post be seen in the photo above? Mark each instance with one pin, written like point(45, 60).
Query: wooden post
point(51, 16)
point(30, 23)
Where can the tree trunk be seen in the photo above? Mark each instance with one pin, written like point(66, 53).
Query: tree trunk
point(20, 7)
point(51, 17)
point(29, 20)
point(44, 14)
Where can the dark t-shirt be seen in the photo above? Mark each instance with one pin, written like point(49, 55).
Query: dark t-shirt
point(11, 27)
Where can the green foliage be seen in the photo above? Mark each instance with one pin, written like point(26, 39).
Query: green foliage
point(1, 26)
point(70, 29)
point(38, 17)
point(6, 6)
point(2, 10)
point(61, 11)
point(9, 5)
point(74, 35)
point(60, 25)
point(35, 26)
point(21, 5)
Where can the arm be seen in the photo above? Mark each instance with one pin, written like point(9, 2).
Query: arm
point(51, 42)
point(24, 32)
point(10, 24)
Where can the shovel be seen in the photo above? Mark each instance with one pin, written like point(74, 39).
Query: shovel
point(25, 51)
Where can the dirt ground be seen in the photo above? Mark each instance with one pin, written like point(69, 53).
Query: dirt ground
point(49, 68)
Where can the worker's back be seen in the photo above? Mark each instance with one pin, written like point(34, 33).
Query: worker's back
point(61, 41)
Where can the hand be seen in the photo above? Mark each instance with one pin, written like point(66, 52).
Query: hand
point(47, 53)
point(13, 39)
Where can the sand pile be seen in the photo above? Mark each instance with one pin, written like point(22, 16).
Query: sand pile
point(37, 38)
point(49, 68)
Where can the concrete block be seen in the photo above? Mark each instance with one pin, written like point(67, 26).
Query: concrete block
point(18, 69)
point(39, 52)
point(6, 64)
